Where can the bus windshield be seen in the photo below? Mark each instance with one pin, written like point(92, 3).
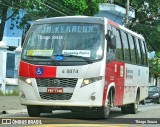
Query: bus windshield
point(78, 39)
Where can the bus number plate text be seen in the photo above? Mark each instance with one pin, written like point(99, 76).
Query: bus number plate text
point(54, 90)
point(70, 71)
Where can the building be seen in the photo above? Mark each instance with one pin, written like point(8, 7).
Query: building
point(13, 38)
point(114, 12)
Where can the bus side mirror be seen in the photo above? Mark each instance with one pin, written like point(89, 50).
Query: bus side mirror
point(111, 38)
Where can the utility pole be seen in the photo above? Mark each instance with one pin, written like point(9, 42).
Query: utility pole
point(127, 13)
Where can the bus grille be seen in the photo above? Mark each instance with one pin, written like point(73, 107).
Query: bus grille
point(47, 96)
point(56, 82)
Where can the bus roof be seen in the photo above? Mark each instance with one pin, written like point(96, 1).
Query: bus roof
point(125, 29)
point(89, 19)
point(62, 19)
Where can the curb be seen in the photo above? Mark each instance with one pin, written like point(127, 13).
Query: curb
point(13, 111)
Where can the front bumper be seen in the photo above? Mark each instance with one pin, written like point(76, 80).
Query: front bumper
point(88, 96)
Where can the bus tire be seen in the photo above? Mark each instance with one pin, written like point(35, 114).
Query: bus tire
point(104, 112)
point(33, 111)
point(143, 102)
point(134, 107)
point(125, 110)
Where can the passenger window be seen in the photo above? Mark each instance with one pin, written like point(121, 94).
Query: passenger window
point(132, 49)
point(119, 48)
point(144, 53)
point(125, 46)
point(139, 60)
point(141, 50)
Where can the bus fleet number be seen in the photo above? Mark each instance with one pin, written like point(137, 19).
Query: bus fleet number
point(70, 71)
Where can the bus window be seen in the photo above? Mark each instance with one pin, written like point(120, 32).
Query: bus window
point(132, 49)
point(119, 48)
point(125, 46)
point(144, 53)
point(139, 60)
point(110, 49)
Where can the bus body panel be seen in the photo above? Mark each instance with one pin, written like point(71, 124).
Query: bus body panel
point(81, 96)
point(134, 79)
point(115, 73)
point(127, 79)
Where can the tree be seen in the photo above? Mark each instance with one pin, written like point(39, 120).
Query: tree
point(154, 68)
point(151, 35)
point(146, 21)
point(3, 11)
point(15, 6)
point(36, 9)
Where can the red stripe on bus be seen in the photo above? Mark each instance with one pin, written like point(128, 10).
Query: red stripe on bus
point(113, 75)
point(24, 69)
point(113, 23)
point(30, 71)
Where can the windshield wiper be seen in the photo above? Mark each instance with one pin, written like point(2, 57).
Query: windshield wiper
point(65, 55)
point(46, 57)
point(86, 59)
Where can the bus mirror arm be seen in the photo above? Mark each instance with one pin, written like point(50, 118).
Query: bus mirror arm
point(111, 38)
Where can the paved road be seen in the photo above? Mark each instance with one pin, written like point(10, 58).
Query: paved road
point(10, 104)
point(151, 113)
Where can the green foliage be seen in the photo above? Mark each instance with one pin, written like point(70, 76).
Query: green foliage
point(147, 21)
point(13, 93)
point(1, 93)
point(158, 54)
point(158, 27)
point(151, 35)
point(36, 9)
point(154, 66)
point(78, 6)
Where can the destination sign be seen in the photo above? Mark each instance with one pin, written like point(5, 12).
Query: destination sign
point(74, 28)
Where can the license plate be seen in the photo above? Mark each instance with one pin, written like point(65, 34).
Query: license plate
point(54, 90)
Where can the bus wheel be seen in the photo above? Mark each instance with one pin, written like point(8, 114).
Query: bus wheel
point(142, 102)
point(33, 111)
point(134, 107)
point(125, 109)
point(104, 112)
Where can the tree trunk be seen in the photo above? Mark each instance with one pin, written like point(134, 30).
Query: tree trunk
point(2, 24)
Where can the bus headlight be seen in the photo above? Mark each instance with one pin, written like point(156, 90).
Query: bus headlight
point(26, 80)
point(90, 80)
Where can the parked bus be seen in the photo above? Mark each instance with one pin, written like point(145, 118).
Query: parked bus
point(82, 63)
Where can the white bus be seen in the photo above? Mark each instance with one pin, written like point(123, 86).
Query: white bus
point(82, 63)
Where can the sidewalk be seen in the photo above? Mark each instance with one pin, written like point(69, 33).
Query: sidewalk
point(11, 104)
